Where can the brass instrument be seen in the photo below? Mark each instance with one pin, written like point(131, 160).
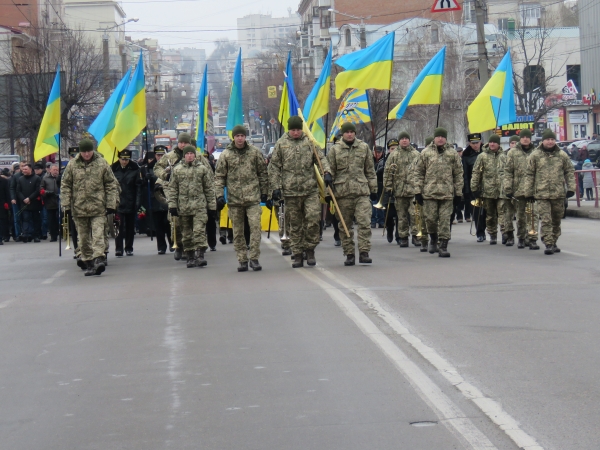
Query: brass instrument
point(173, 231)
point(392, 173)
point(418, 219)
point(281, 221)
point(477, 203)
point(530, 214)
point(66, 232)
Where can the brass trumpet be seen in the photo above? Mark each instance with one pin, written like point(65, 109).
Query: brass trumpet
point(530, 213)
point(281, 222)
point(392, 173)
point(66, 231)
point(477, 203)
point(418, 219)
point(173, 231)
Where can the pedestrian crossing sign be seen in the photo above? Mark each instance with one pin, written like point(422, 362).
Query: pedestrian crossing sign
point(445, 6)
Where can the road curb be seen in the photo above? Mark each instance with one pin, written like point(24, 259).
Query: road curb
point(585, 213)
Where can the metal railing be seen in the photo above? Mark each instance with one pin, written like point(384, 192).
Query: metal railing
point(594, 181)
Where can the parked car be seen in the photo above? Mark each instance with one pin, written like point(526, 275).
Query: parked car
point(594, 151)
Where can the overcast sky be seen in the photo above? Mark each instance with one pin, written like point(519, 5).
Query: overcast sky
point(195, 23)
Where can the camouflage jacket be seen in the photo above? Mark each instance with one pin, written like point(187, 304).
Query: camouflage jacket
point(352, 169)
point(488, 173)
point(292, 166)
point(438, 176)
point(244, 173)
point(191, 189)
point(171, 159)
point(514, 170)
point(89, 189)
point(547, 173)
point(399, 179)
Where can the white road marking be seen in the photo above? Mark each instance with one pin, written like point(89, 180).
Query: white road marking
point(58, 274)
point(6, 303)
point(573, 253)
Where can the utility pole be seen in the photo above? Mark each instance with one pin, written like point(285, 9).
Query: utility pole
point(105, 66)
point(480, 8)
point(123, 59)
point(363, 37)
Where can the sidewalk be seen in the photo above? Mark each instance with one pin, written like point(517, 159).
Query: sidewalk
point(586, 210)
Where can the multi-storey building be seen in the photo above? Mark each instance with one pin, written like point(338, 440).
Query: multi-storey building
point(260, 32)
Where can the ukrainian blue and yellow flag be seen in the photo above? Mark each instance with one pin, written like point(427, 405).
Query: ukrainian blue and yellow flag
point(48, 138)
point(235, 113)
point(354, 108)
point(289, 105)
point(103, 127)
point(426, 89)
point(131, 119)
point(317, 128)
point(369, 68)
point(317, 103)
point(495, 104)
point(202, 112)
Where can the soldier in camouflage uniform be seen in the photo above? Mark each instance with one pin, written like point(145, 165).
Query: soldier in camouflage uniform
point(355, 187)
point(486, 183)
point(548, 169)
point(292, 176)
point(89, 191)
point(438, 182)
point(514, 188)
point(242, 170)
point(397, 181)
point(191, 196)
point(508, 210)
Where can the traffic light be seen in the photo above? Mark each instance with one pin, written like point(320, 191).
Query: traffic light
point(260, 116)
point(144, 132)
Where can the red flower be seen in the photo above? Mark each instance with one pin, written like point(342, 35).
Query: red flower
point(43, 191)
point(6, 206)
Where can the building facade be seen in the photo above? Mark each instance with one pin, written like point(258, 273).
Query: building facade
point(589, 17)
point(258, 33)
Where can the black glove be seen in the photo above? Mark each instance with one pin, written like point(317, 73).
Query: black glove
point(328, 200)
point(373, 196)
point(457, 200)
point(269, 204)
point(212, 214)
point(221, 203)
point(173, 212)
point(570, 194)
point(263, 198)
point(328, 180)
point(419, 199)
point(530, 199)
point(111, 211)
point(276, 196)
point(510, 196)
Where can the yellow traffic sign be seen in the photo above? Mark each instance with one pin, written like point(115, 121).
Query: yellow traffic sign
point(272, 91)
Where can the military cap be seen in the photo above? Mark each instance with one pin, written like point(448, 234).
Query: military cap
point(160, 149)
point(548, 134)
point(440, 132)
point(525, 133)
point(474, 137)
point(378, 148)
point(73, 151)
point(428, 140)
point(38, 165)
point(189, 149)
point(392, 142)
point(125, 154)
point(239, 129)
point(348, 126)
point(403, 135)
point(184, 137)
point(494, 138)
point(294, 123)
point(86, 145)
point(514, 138)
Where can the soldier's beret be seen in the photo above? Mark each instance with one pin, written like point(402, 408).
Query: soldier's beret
point(548, 134)
point(160, 149)
point(403, 135)
point(239, 129)
point(348, 126)
point(494, 138)
point(525, 133)
point(85, 145)
point(184, 137)
point(392, 143)
point(440, 132)
point(474, 137)
point(294, 123)
point(125, 154)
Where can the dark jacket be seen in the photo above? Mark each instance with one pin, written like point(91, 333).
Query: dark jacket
point(50, 185)
point(469, 157)
point(131, 186)
point(13, 186)
point(29, 187)
point(149, 176)
point(4, 197)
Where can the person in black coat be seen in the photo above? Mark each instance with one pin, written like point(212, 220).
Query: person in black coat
point(4, 210)
point(159, 208)
point(14, 201)
point(128, 175)
point(49, 192)
point(28, 194)
point(469, 157)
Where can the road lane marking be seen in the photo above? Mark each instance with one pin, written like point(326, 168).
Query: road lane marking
point(6, 303)
point(58, 274)
point(574, 253)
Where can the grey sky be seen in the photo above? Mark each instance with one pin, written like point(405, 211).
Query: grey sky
point(202, 20)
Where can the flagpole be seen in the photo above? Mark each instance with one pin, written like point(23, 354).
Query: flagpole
point(437, 123)
point(59, 221)
point(387, 111)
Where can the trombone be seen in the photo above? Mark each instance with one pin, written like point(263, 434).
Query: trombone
point(530, 213)
point(281, 221)
point(173, 231)
point(418, 219)
point(66, 232)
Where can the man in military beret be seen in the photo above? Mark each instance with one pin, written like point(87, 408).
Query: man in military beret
point(293, 179)
point(355, 187)
point(89, 191)
point(438, 183)
point(469, 156)
point(127, 173)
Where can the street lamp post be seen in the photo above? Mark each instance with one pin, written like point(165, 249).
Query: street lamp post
point(363, 37)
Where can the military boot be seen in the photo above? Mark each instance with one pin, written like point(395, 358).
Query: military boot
point(89, 268)
point(255, 265)
point(82, 264)
point(310, 257)
point(504, 238)
point(403, 242)
point(443, 251)
point(286, 252)
point(415, 241)
point(510, 239)
point(349, 260)
point(99, 265)
point(200, 261)
point(549, 249)
point(556, 249)
point(298, 261)
point(493, 239)
point(521, 243)
point(178, 254)
point(191, 259)
point(390, 234)
point(533, 245)
point(243, 267)
point(433, 248)
point(363, 257)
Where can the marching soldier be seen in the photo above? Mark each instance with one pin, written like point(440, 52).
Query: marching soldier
point(438, 182)
point(548, 169)
point(242, 170)
point(487, 183)
point(514, 188)
point(397, 179)
point(351, 164)
point(389, 202)
point(89, 191)
point(292, 177)
point(192, 198)
point(159, 206)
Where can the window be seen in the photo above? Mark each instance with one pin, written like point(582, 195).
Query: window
point(348, 36)
point(435, 36)
point(530, 13)
point(574, 73)
point(325, 19)
point(534, 78)
point(469, 12)
point(503, 24)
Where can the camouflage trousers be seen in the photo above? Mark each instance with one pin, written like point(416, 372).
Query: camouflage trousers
point(91, 232)
point(193, 232)
point(236, 214)
point(437, 217)
point(106, 234)
point(523, 224)
point(358, 208)
point(493, 212)
point(303, 214)
point(406, 217)
point(551, 213)
point(509, 213)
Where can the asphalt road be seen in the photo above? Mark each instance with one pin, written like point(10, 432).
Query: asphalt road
point(493, 348)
